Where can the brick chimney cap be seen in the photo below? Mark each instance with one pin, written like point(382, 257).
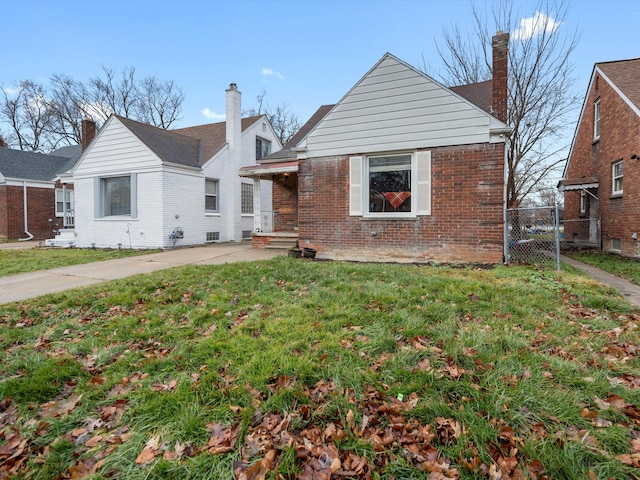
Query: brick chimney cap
point(233, 86)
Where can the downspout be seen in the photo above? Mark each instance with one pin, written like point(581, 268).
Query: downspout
point(26, 227)
point(505, 206)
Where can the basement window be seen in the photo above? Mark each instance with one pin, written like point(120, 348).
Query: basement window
point(615, 244)
point(247, 234)
point(212, 237)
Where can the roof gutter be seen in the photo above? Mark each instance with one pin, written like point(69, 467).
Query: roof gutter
point(26, 226)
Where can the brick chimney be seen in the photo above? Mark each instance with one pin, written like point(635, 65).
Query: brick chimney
point(500, 45)
point(88, 132)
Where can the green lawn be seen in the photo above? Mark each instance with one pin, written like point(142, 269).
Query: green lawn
point(625, 267)
point(292, 368)
point(29, 260)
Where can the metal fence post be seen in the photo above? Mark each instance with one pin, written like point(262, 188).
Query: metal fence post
point(557, 234)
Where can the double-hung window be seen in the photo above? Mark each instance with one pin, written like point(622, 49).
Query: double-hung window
point(63, 196)
point(617, 174)
point(116, 196)
point(390, 185)
point(596, 120)
point(211, 196)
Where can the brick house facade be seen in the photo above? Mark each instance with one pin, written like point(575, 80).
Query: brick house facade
point(29, 180)
point(40, 211)
point(466, 221)
point(601, 178)
point(402, 169)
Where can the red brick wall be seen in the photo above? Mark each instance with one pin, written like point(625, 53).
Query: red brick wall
point(40, 208)
point(285, 202)
point(4, 224)
point(619, 139)
point(466, 221)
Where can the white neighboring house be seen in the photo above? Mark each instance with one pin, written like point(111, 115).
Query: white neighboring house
point(138, 186)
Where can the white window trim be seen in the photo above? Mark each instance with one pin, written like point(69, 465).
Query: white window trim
point(597, 116)
point(614, 178)
point(217, 195)
point(98, 203)
point(59, 193)
point(420, 186)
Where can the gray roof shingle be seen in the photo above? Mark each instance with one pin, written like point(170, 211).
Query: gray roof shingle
point(190, 146)
point(166, 144)
point(32, 166)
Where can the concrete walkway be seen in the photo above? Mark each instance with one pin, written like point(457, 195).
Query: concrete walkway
point(627, 289)
point(30, 285)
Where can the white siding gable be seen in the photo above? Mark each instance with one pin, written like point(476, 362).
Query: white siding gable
point(115, 150)
point(395, 107)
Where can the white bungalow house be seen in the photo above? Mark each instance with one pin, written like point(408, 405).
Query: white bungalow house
point(138, 186)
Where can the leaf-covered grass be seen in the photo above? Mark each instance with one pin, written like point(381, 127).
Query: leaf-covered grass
point(14, 261)
point(300, 369)
point(624, 267)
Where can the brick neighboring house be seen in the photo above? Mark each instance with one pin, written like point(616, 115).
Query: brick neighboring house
point(400, 168)
point(30, 193)
point(601, 181)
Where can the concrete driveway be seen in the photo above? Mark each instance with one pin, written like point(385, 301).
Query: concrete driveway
point(30, 285)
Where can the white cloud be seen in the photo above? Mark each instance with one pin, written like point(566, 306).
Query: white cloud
point(97, 112)
point(212, 115)
point(10, 91)
point(532, 26)
point(267, 72)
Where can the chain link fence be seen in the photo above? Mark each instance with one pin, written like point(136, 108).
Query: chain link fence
point(533, 236)
point(581, 232)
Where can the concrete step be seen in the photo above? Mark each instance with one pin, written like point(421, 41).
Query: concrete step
point(282, 243)
point(64, 239)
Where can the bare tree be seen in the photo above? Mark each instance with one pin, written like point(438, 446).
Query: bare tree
point(540, 85)
point(159, 103)
point(109, 95)
point(153, 101)
point(68, 107)
point(41, 118)
point(284, 122)
point(26, 111)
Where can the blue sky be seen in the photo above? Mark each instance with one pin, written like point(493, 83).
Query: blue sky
point(304, 53)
